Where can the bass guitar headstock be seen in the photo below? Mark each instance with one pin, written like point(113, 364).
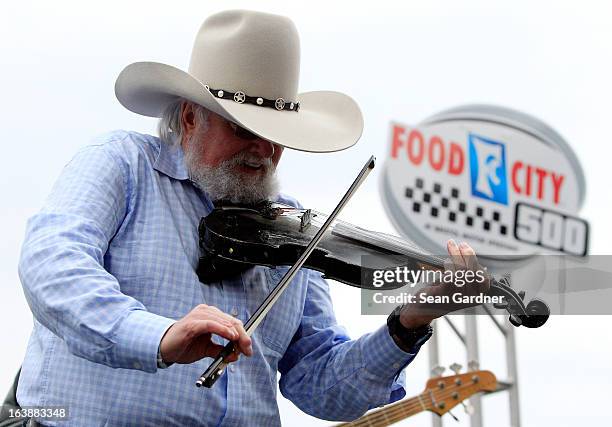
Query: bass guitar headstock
point(444, 393)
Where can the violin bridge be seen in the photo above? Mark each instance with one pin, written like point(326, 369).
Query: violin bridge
point(305, 220)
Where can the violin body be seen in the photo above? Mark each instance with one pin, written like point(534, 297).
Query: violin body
point(233, 239)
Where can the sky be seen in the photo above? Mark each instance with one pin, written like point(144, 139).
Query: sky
point(401, 61)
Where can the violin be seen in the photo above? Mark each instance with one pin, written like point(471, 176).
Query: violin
point(234, 238)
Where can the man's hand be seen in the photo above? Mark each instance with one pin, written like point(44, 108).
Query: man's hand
point(462, 257)
point(189, 339)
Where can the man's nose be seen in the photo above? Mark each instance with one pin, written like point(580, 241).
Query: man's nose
point(263, 148)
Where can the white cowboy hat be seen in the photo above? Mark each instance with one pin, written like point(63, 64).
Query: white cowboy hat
point(245, 67)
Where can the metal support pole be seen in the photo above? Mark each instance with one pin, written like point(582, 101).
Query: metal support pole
point(470, 340)
point(471, 334)
point(434, 362)
point(455, 329)
point(513, 393)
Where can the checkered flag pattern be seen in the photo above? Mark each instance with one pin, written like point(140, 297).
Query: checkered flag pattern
point(447, 204)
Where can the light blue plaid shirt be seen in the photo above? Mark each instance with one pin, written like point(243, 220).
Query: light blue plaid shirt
point(109, 264)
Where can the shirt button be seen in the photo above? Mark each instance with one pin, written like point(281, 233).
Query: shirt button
point(234, 312)
point(232, 369)
point(396, 365)
point(137, 365)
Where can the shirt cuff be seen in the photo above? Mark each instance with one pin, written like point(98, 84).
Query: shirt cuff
point(137, 340)
point(160, 360)
point(383, 357)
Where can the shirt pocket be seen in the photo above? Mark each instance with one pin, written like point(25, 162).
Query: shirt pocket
point(283, 320)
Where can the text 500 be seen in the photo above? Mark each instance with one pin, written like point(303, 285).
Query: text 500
point(550, 229)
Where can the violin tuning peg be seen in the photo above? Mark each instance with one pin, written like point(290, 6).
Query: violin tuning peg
point(456, 368)
point(505, 279)
point(500, 305)
point(437, 371)
point(473, 365)
point(515, 320)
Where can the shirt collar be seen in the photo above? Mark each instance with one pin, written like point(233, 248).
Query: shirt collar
point(170, 161)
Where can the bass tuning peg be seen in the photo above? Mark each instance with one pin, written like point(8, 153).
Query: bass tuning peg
point(437, 371)
point(456, 368)
point(468, 408)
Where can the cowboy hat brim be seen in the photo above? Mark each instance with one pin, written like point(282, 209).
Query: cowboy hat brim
point(326, 121)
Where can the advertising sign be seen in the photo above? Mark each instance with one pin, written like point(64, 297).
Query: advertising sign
point(502, 180)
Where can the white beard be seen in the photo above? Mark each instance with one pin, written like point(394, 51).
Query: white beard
point(224, 182)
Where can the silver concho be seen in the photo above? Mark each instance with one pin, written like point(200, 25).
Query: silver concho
point(259, 101)
point(279, 104)
point(239, 97)
point(220, 94)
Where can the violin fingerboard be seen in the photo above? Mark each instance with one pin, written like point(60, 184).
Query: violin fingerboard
point(389, 242)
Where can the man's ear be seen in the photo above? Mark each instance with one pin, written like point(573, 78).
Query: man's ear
point(188, 120)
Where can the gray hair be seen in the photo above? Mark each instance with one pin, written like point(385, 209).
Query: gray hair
point(169, 127)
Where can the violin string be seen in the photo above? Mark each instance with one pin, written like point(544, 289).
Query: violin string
point(419, 255)
point(401, 408)
point(415, 252)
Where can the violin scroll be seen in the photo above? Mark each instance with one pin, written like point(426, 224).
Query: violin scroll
point(537, 314)
point(532, 315)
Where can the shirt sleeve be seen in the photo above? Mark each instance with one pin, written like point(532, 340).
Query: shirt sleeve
point(329, 376)
point(62, 266)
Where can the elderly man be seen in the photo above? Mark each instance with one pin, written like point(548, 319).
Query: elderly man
point(122, 323)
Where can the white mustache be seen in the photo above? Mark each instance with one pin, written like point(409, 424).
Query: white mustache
point(252, 160)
